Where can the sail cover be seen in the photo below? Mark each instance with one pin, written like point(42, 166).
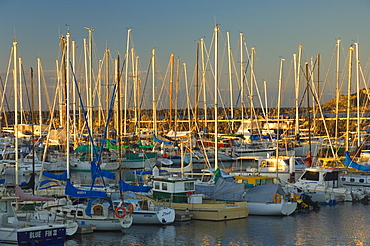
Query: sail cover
point(350, 163)
point(75, 192)
point(123, 186)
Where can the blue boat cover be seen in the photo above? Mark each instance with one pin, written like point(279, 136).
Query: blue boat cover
point(350, 163)
point(123, 186)
point(48, 184)
point(62, 177)
point(157, 140)
point(75, 192)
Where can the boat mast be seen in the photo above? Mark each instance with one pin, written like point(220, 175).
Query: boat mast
point(242, 80)
point(15, 109)
point(349, 96)
point(297, 86)
point(177, 93)
point(67, 103)
point(337, 90)
point(74, 93)
point(278, 116)
point(33, 130)
point(171, 87)
point(196, 99)
point(126, 80)
point(358, 94)
point(135, 82)
point(230, 81)
point(154, 101)
point(216, 31)
point(39, 85)
point(20, 88)
point(308, 105)
point(204, 83)
point(251, 94)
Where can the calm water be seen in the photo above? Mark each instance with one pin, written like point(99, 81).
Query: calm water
point(343, 224)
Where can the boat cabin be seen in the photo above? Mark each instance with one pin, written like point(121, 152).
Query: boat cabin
point(326, 177)
point(173, 189)
point(251, 181)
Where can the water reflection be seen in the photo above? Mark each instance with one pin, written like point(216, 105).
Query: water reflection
point(344, 224)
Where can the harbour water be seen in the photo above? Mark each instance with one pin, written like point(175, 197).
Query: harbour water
point(342, 224)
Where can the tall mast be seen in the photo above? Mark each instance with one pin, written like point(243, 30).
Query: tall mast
point(278, 115)
point(358, 94)
point(297, 86)
point(67, 102)
point(216, 30)
point(126, 80)
point(20, 88)
point(154, 95)
point(337, 90)
point(107, 80)
point(252, 88)
point(177, 92)
point(15, 109)
point(349, 95)
point(74, 93)
point(135, 88)
point(242, 80)
point(230, 81)
point(308, 105)
point(171, 86)
point(39, 86)
point(204, 83)
point(196, 99)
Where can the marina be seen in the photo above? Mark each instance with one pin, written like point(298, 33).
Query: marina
point(150, 125)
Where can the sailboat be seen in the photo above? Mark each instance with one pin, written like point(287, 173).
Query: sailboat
point(100, 211)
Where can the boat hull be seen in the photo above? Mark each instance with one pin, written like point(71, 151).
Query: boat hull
point(259, 208)
point(214, 211)
point(40, 235)
point(160, 217)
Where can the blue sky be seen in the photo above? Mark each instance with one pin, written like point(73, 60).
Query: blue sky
point(274, 27)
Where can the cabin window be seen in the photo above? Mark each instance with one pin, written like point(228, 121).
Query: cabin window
point(73, 212)
point(156, 186)
point(164, 186)
point(189, 185)
point(310, 176)
point(361, 180)
point(352, 180)
point(343, 179)
point(332, 176)
point(80, 213)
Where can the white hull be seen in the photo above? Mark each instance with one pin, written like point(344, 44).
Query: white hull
point(139, 164)
point(85, 166)
point(284, 208)
point(160, 217)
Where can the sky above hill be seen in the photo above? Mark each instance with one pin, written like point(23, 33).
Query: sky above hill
point(275, 28)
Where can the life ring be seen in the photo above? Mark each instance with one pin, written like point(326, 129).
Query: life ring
point(120, 215)
point(188, 194)
point(276, 198)
point(131, 208)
